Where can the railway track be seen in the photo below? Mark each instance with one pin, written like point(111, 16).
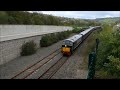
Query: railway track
point(54, 68)
point(50, 71)
point(34, 67)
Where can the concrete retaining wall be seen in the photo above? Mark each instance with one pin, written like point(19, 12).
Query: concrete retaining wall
point(12, 38)
point(10, 32)
point(11, 49)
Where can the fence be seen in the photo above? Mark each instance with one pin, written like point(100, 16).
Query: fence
point(92, 62)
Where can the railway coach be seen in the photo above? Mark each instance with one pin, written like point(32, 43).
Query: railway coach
point(70, 44)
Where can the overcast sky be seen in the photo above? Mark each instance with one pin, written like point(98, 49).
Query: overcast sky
point(84, 14)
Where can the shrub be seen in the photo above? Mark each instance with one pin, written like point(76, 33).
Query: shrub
point(78, 29)
point(49, 39)
point(28, 48)
point(53, 38)
point(59, 36)
point(43, 41)
point(108, 57)
point(113, 67)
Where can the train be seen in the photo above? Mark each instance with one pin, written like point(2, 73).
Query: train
point(70, 44)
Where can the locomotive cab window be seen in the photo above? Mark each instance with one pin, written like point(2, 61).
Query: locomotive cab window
point(67, 42)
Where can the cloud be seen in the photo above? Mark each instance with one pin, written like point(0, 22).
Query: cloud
point(84, 14)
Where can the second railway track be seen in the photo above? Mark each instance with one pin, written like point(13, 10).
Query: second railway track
point(50, 64)
point(49, 72)
point(34, 67)
point(54, 68)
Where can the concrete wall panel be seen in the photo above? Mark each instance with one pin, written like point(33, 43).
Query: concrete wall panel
point(12, 38)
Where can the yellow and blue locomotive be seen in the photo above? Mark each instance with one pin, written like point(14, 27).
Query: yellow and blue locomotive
point(70, 44)
point(73, 42)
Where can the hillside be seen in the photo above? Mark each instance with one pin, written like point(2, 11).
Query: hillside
point(108, 20)
point(24, 17)
point(27, 18)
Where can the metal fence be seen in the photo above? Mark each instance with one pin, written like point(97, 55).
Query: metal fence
point(92, 62)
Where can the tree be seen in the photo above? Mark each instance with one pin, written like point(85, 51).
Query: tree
point(24, 17)
point(3, 17)
point(108, 58)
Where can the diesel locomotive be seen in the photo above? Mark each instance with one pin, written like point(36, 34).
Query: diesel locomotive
point(70, 44)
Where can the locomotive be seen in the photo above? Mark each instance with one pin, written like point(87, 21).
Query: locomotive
point(70, 44)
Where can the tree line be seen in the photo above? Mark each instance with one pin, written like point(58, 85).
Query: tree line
point(27, 18)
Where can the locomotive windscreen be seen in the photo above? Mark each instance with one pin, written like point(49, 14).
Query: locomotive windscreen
point(67, 42)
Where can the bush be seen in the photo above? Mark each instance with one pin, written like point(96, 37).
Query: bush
point(108, 57)
point(44, 41)
point(59, 36)
point(78, 29)
point(28, 48)
point(113, 67)
point(53, 38)
point(49, 39)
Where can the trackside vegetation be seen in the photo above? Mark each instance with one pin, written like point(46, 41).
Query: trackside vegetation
point(108, 58)
point(28, 48)
point(50, 39)
point(34, 18)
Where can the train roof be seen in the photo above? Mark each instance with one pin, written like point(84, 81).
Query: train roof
point(74, 38)
point(86, 31)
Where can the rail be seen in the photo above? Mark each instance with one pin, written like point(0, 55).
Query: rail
point(36, 65)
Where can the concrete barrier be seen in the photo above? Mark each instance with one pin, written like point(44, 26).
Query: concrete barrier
point(12, 38)
point(10, 32)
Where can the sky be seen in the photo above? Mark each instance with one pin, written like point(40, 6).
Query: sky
point(83, 14)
